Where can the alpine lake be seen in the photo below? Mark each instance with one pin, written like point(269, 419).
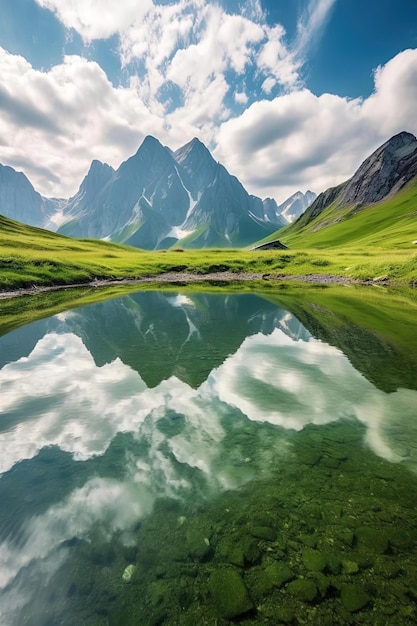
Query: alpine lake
point(182, 457)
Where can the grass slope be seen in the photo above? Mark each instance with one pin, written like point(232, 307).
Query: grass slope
point(32, 256)
point(391, 223)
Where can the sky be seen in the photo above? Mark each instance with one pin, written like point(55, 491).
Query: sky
point(288, 94)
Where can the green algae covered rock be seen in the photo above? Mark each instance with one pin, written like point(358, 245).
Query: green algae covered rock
point(278, 574)
point(263, 532)
point(333, 562)
point(350, 567)
point(240, 552)
point(372, 539)
point(229, 593)
point(354, 598)
point(304, 590)
point(196, 545)
point(313, 560)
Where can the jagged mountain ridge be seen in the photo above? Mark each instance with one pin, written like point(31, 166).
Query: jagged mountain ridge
point(296, 205)
point(20, 201)
point(154, 199)
point(385, 172)
point(158, 197)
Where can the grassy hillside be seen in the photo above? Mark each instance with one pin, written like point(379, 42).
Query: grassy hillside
point(31, 256)
point(389, 224)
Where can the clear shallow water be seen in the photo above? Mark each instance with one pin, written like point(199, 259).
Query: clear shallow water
point(197, 459)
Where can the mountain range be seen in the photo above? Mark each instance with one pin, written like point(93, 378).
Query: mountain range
point(157, 198)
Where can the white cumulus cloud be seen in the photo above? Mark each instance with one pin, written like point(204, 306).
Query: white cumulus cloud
point(187, 63)
point(300, 140)
point(97, 19)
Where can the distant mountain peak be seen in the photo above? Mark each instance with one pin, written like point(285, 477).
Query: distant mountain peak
point(385, 172)
point(195, 141)
point(193, 149)
point(150, 140)
point(98, 167)
point(98, 174)
point(401, 139)
point(150, 145)
point(296, 205)
point(20, 201)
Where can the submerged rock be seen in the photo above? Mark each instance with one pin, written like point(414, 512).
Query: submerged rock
point(304, 590)
point(229, 593)
point(278, 574)
point(197, 545)
point(354, 598)
point(373, 539)
point(244, 552)
point(313, 560)
point(129, 573)
point(350, 567)
point(263, 532)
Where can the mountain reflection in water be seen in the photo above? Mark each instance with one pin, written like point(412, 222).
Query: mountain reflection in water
point(111, 409)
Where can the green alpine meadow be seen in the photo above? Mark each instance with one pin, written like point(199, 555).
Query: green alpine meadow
point(373, 243)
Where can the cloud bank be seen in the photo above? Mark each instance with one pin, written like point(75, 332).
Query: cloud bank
point(195, 68)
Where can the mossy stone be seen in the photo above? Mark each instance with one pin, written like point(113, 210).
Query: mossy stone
point(350, 567)
point(197, 546)
point(251, 552)
point(263, 532)
point(374, 539)
point(354, 598)
point(304, 590)
point(322, 582)
point(400, 538)
point(333, 562)
point(263, 519)
point(119, 616)
point(347, 537)
point(244, 552)
point(279, 574)
point(236, 556)
point(159, 590)
point(313, 560)
point(229, 593)
point(330, 462)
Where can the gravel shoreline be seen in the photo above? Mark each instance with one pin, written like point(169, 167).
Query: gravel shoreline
point(184, 277)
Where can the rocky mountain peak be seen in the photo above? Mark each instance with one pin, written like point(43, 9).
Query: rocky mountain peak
point(97, 176)
point(20, 201)
point(384, 172)
point(150, 142)
point(150, 148)
point(101, 170)
point(387, 170)
point(296, 205)
point(192, 151)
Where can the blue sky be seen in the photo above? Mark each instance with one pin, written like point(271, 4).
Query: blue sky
point(287, 94)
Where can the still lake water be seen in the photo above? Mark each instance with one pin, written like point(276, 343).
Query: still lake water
point(190, 459)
